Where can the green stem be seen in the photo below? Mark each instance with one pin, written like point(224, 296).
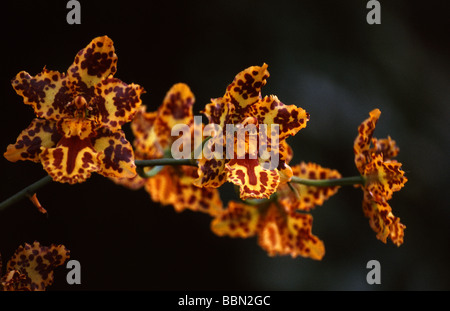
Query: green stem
point(158, 164)
point(166, 161)
point(200, 148)
point(26, 192)
point(354, 180)
point(154, 170)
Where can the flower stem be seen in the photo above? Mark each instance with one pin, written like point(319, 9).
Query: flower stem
point(354, 180)
point(152, 172)
point(26, 192)
point(166, 161)
point(158, 165)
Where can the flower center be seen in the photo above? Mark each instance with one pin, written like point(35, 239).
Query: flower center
point(82, 107)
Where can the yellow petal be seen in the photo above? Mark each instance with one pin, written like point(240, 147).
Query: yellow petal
point(284, 233)
point(211, 173)
point(152, 130)
point(245, 89)
point(385, 146)
point(161, 187)
point(219, 111)
point(238, 220)
point(37, 263)
point(382, 220)
point(177, 106)
point(174, 186)
point(92, 64)
point(40, 133)
point(47, 93)
point(383, 178)
point(307, 197)
point(14, 280)
point(189, 196)
point(361, 146)
point(285, 155)
point(301, 241)
point(116, 102)
point(397, 231)
point(146, 142)
point(270, 110)
point(118, 159)
point(133, 183)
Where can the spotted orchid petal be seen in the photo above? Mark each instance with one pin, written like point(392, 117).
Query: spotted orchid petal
point(254, 180)
point(289, 234)
point(31, 267)
point(383, 176)
point(174, 186)
point(40, 133)
point(279, 232)
point(116, 102)
point(361, 146)
point(92, 64)
point(303, 197)
point(47, 93)
point(290, 119)
point(382, 220)
point(118, 160)
point(153, 130)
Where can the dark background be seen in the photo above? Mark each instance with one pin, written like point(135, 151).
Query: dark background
point(323, 57)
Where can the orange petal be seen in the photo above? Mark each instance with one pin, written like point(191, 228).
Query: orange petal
point(254, 180)
point(397, 231)
point(290, 119)
point(383, 178)
point(152, 130)
point(211, 173)
point(175, 109)
point(283, 233)
point(382, 221)
point(116, 102)
point(13, 280)
point(146, 140)
point(303, 242)
point(361, 146)
point(40, 133)
point(219, 111)
point(238, 220)
point(92, 64)
point(133, 183)
point(385, 146)
point(286, 152)
point(47, 93)
point(189, 196)
point(246, 88)
point(118, 159)
point(285, 155)
point(307, 197)
point(37, 263)
point(174, 186)
point(177, 106)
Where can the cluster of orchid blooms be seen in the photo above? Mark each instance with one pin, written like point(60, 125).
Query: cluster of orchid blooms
point(78, 131)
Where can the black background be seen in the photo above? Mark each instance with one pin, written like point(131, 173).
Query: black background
point(323, 57)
